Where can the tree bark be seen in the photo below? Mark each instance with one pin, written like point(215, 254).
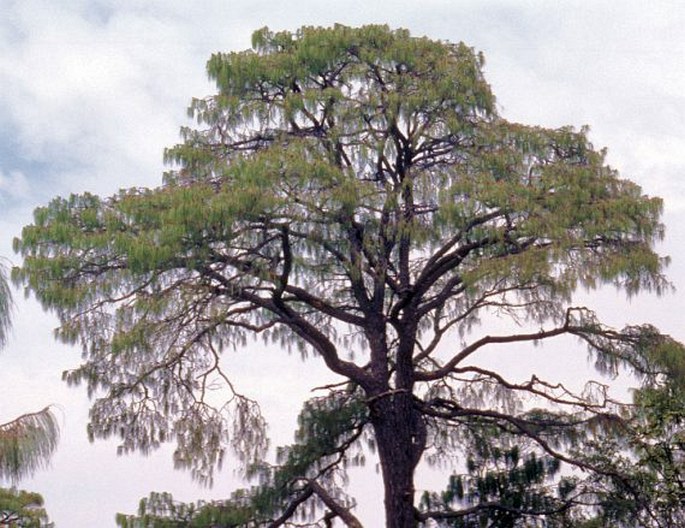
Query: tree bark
point(400, 441)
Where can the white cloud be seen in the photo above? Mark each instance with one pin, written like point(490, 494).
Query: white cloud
point(97, 101)
point(14, 186)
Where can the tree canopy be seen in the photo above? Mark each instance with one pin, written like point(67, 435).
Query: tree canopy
point(353, 194)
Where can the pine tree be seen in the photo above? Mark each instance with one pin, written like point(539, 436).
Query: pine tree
point(354, 194)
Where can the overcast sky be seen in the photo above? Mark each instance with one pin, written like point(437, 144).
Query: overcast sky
point(91, 91)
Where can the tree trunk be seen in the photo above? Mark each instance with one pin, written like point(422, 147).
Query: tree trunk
point(400, 441)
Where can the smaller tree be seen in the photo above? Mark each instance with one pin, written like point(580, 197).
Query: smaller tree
point(644, 485)
point(640, 471)
point(505, 485)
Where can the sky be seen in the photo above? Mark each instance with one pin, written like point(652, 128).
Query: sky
point(92, 91)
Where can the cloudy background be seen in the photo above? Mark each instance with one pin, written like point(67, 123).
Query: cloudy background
point(91, 91)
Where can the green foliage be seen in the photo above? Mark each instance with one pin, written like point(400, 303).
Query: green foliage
point(353, 194)
point(23, 509)
point(26, 443)
point(160, 510)
point(5, 307)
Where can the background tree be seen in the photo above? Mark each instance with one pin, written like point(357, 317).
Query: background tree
point(646, 485)
point(354, 195)
point(503, 486)
point(26, 444)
